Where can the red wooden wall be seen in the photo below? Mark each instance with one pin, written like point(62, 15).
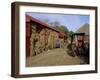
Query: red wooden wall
point(28, 30)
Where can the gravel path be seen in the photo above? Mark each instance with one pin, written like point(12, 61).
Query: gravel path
point(53, 57)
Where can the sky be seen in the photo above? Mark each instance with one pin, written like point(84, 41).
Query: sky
point(71, 21)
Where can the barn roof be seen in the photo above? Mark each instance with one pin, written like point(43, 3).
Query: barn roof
point(29, 18)
point(61, 34)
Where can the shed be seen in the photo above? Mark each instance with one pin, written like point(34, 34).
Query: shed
point(45, 28)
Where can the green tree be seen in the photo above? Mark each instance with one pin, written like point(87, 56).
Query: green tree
point(70, 33)
point(64, 29)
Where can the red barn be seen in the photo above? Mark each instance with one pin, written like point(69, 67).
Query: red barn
point(39, 26)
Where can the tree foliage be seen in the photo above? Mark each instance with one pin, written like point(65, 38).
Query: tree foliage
point(70, 33)
point(59, 27)
point(64, 29)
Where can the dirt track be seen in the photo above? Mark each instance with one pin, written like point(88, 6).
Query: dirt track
point(53, 57)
